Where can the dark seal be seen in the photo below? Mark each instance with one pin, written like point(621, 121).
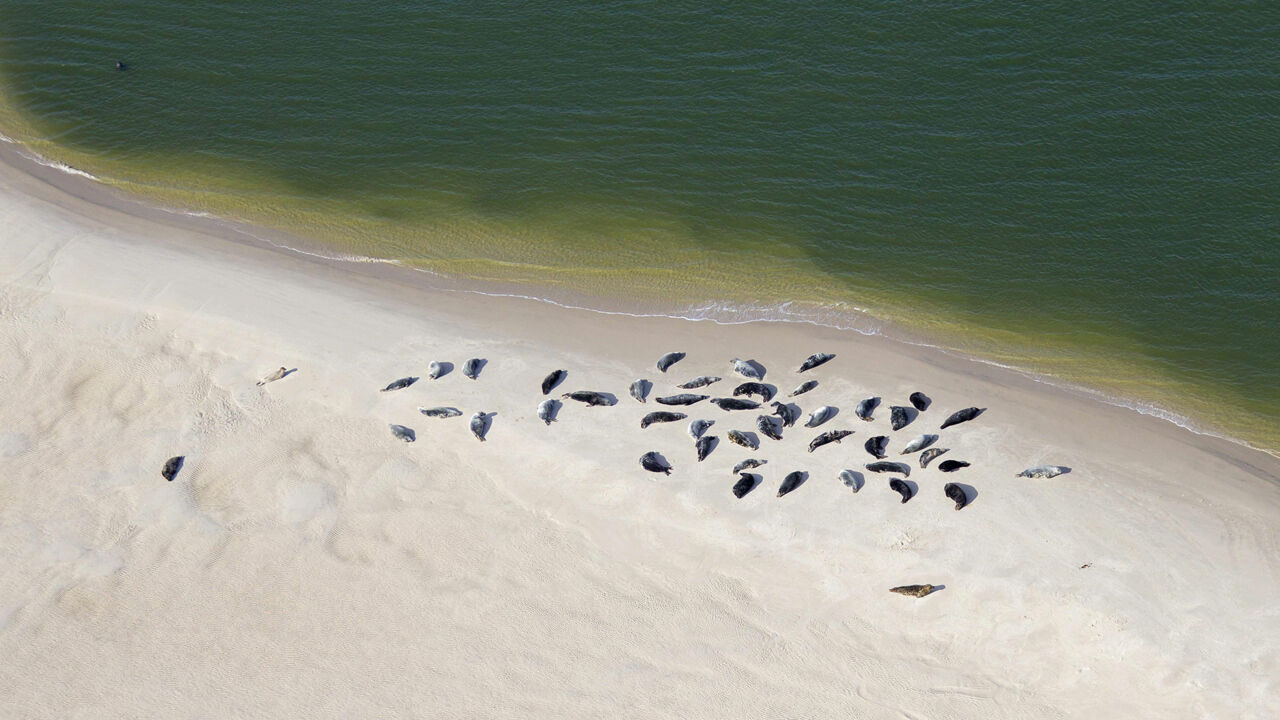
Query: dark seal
point(919, 401)
point(704, 445)
point(591, 397)
point(894, 467)
point(669, 359)
point(746, 483)
point(877, 446)
point(901, 488)
point(831, 436)
point(791, 482)
point(956, 494)
point(681, 399)
point(900, 417)
point(766, 392)
point(728, 404)
point(551, 381)
point(171, 467)
point(815, 360)
point(660, 416)
point(400, 384)
point(653, 462)
point(952, 465)
point(960, 416)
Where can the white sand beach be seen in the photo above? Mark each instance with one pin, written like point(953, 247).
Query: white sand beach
point(306, 563)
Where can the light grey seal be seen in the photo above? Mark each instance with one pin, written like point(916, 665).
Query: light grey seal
point(768, 427)
point(480, 425)
point(1044, 471)
point(728, 404)
point(700, 381)
point(766, 392)
point(746, 483)
point(668, 360)
point(661, 416)
point(640, 389)
point(952, 465)
point(746, 440)
point(821, 415)
point(550, 382)
point(653, 462)
point(866, 408)
point(681, 399)
point(901, 488)
point(960, 416)
point(815, 360)
point(748, 464)
point(877, 446)
point(791, 482)
point(803, 388)
point(404, 433)
point(919, 443)
point(747, 368)
point(900, 417)
point(918, 591)
point(472, 367)
point(788, 413)
point(591, 397)
point(400, 384)
point(704, 445)
point(884, 466)
point(828, 437)
point(437, 370)
point(956, 494)
point(440, 412)
point(927, 456)
point(547, 410)
point(851, 479)
point(920, 401)
point(698, 428)
point(274, 376)
point(172, 467)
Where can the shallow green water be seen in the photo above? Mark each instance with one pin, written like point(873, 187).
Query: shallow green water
point(1086, 189)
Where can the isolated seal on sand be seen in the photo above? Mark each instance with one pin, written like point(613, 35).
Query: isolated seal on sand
point(821, 415)
point(877, 446)
point(768, 427)
point(919, 443)
point(815, 360)
point(952, 465)
point(640, 389)
point(705, 445)
point(748, 464)
point(851, 479)
point(472, 367)
point(883, 466)
point(956, 494)
point(480, 425)
point(681, 399)
point(746, 440)
point(404, 433)
point(791, 482)
point(1044, 471)
point(437, 370)
point(668, 360)
point(927, 456)
point(591, 398)
point(765, 392)
point(866, 408)
point(746, 483)
point(900, 417)
point(661, 416)
point(653, 462)
point(747, 368)
point(919, 401)
point(172, 467)
point(828, 437)
point(728, 404)
point(918, 591)
point(400, 384)
point(901, 488)
point(698, 428)
point(547, 410)
point(788, 413)
point(700, 381)
point(803, 388)
point(550, 382)
point(960, 416)
point(274, 376)
point(440, 412)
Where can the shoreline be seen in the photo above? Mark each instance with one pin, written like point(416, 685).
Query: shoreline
point(16, 158)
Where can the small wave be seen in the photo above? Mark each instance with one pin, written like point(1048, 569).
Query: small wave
point(60, 166)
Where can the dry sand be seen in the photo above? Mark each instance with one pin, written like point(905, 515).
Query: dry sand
point(305, 563)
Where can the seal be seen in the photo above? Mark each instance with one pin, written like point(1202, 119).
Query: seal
point(901, 488)
point(681, 399)
point(653, 462)
point(803, 388)
point(591, 397)
point(698, 428)
point(748, 464)
point(851, 479)
point(877, 446)
point(956, 494)
point(274, 376)
point(668, 360)
point(866, 408)
point(472, 367)
point(768, 427)
point(661, 416)
point(400, 384)
point(952, 465)
point(900, 417)
point(437, 370)
point(960, 416)
point(919, 443)
point(882, 466)
point(550, 382)
point(704, 445)
point(640, 389)
point(547, 410)
point(403, 433)
point(700, 381)
point(791, 482)
point(440, 412)
point(927, 456)
point(746, 440)
point(748, 369)
point(172, 466)
point(920, 401)
point(1044, 471)
point(746, 483)
point(766, 392)
point(821, 415)
point(831, 436)
point(815, 360)
point(728, 404)
point(788, 413)
point(918, 591)
point(480, 425)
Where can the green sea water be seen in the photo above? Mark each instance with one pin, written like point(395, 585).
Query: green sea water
point(1089, 190)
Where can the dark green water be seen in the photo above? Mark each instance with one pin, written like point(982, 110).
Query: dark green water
point(1087, 189)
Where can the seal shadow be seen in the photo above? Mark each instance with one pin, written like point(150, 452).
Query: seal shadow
point(758, 368)
point(753, 438)
point(1065, 469)
point(773, 391)
point(287, 373)
point(937, 588)
point(912, 486)
point(712, 444)
point(446, 367)
point(480, 363)
point(646, 387)
point(859, 480)
point(610, 398)
point(970, 493)
point(911, 413)
point(662, 460)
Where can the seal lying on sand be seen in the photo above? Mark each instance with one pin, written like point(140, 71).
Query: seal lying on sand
point(480, 425)
point(821, 415)
point(791, 482)
point(700, 381)
point(754, 388)
point(640, 389)
point(828, 437)
point(900, 417)
point(652, 462)
point(901, 488)
point(866, 408)
point(952, 465)
point(748, 464)
point(746, 440)
point(440, 412)
point(668, 360)
point(815, 360)
point(172, 466)
point(660, 416)
point(919, 401)
point(403, 433)
point(919, 443)
point(960, 416)
point(547, 410)
point(747, 368)
point(851, 479)
point(400, 384)
point(728, 404)
point(681, 399)
point(788, 413)
point(768, 427)
point(590, 397)
point(705, 445)
point(274, 376)
point(955, 493)
point(746, 483)
point(927, 456)
point(1044, 471)
point(803, 388)
point(698, 428)
point(877, 445)
point(551, 381)
point(472, 367)
point(894, 467)
point(913, 590)
point(437, 370)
